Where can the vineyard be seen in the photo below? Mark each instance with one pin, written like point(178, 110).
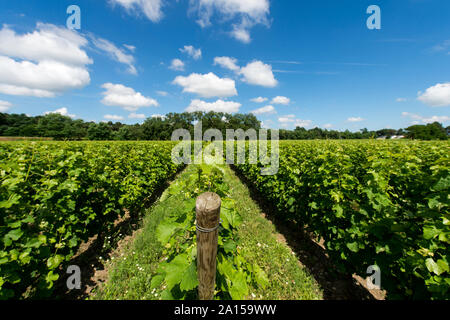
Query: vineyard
point(384, 204)
point(369, 202)
point(53, 196)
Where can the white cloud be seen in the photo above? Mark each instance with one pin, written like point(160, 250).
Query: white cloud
point(116, 53)
point(130, 47)
point(255, 72)
point(136, 116)
point(61, 111)
point(158, 116)
point(292, 120)
point(259, 100)
point(281, 100)
point(401, 99)
point(436, 96)
point(162, 93)
point(4, 106)
point(264, 110)
point(43, 63)
point(241, 33)
point(47, 42)
point(287, 119)
point(177, 65)
point(192, 52)
point(150, 8)
point(302, 123)
point(113, 117)
point(207, 85)
point(218, 106)
point(258, 73)
point(420, 119)
point(355, 119)
point(227, 62)
point(328, 126)
point(120, 96)
point(248, 13)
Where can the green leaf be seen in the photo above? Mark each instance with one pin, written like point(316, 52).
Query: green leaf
point(165, 231)
point(239, 287)
point(14, 234)
point(190, 279)
point(430, 232)
point(353, 246)
point(167, 295)
point(175, 270)
point(443, 265)
point(261, 277)
point(50, 278)
point(229, 246)
point(432, 266)
point(55, 261)
point(156, 281)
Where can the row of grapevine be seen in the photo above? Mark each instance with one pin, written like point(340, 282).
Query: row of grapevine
point(53, 196)
point(373, 203)
point(177, 274)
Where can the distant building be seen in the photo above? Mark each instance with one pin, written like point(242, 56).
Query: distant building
point(391, 137)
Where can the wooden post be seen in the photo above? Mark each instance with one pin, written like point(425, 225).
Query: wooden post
point(208, 218)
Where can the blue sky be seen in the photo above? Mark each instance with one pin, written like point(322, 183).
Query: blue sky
point(314, 63)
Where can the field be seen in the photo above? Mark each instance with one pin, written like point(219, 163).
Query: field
point(381, 203)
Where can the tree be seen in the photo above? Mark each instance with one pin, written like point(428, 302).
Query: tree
point(431, 131)
point(100, 131)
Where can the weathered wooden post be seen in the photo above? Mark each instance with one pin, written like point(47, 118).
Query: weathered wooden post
point(208, 221)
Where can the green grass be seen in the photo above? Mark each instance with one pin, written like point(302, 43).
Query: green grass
point(131, 270)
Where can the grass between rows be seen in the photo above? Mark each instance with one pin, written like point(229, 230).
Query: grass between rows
point(130, 269)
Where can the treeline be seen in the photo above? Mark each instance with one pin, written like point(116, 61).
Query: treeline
point(61, 127)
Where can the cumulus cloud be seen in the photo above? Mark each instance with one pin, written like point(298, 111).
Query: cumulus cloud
point(287, 119)
point(259, 100)
point(47, 42)
point(292, 120)
point(207, 85)
point(227, 62)
point(158, 116)
point(328, 126)
point(302, 123)
point(150, 8)
point(113, 117)
point(264, 110)
point(43, 63)
point(116, 53)
point(281, 100)
point(218, 106)
point(421, 119)
point(258, 73)
point(192, 52)
point(355, 119)
point(177, 65)
point(61, 111)
point(120, 96)
point(255, 72)
point(4, 106)
point(436, 96)
point(136, 116)
point(245, 14)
